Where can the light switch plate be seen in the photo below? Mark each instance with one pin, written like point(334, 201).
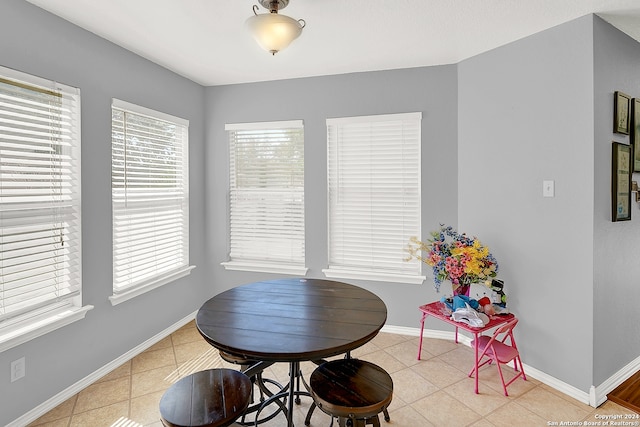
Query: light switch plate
point(548, 188)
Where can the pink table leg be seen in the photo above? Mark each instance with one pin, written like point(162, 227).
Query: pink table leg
point(476, 359)
point(424, 315)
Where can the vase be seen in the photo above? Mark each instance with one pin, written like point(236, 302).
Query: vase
point(460, 289)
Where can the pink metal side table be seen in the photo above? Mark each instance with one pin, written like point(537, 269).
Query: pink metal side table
point(440, 311)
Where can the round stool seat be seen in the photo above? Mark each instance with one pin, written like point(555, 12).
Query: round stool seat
point(351, 388)
point(211, 398)
point(235, 359)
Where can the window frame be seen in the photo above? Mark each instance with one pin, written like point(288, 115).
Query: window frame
point(35, 320)
point(120, 199)
point(244, 261)
point(342, 253)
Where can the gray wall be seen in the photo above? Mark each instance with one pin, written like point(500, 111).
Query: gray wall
point(617, 245)
point(494, 127)
point(526, 115)
point(36, 42)
point(432, 91)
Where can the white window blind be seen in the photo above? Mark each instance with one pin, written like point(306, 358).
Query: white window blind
point(150, 197)
point(40, 224)
point(374, 196)
point(267, 197)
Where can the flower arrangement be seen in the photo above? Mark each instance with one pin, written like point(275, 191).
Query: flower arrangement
point(456, 257)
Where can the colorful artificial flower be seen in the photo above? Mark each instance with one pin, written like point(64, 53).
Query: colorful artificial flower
point(455, 257)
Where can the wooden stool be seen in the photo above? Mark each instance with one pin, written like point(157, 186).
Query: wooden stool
point(211, 398)
point(353, 390)
point(256, 379)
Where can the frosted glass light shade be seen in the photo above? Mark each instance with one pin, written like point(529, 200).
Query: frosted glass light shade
point(273, 31)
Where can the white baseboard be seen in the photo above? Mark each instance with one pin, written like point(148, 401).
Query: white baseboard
point(74, 389)
point(428, 333)
point(555, 383)
point(598, 395)
point(595, 397)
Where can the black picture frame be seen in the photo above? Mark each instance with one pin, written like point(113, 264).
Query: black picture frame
point(635, 133)
point(620, 182)
point(621, 109)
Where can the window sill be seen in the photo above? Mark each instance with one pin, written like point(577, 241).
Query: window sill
point(20, 335)
point(128, 294)
point(294, 270)
point(378, 276)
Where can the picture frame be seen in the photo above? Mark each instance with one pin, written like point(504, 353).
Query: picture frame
point(621, 109)
point(621, 182)
point(635, 133)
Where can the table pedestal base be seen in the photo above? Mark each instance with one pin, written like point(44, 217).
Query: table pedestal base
point(285, 398)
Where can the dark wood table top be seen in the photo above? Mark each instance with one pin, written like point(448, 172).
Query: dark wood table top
point(291, 320)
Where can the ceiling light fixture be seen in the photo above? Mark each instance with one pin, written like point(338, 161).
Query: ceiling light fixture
point(272, 31)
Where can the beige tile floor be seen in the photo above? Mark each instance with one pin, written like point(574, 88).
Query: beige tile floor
point(434, 391)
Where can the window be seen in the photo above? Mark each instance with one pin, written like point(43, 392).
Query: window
point(150, 199)
point(40, 221)
point(267, 197)
point(374, 196)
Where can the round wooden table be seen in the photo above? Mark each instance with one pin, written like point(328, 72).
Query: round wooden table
point(291, 320)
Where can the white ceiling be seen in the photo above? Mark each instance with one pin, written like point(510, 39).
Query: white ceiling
point(207, 42)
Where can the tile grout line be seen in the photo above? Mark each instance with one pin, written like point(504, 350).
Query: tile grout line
point(73, 409)
point(130, 415)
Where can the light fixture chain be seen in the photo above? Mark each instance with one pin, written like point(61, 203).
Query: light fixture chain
point(274, 5)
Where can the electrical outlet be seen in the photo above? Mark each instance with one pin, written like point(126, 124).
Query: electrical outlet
point(18, 369)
